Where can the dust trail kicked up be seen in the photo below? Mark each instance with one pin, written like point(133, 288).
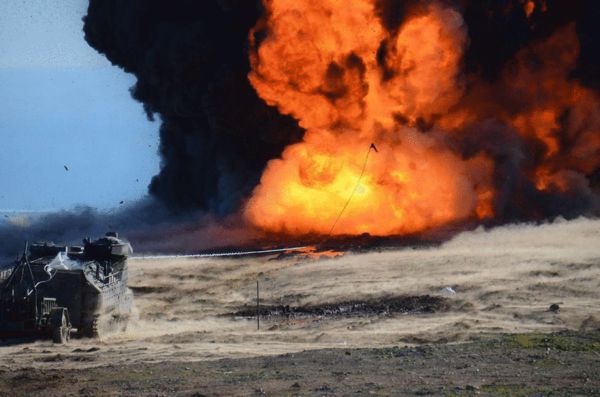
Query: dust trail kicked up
point(504, 279)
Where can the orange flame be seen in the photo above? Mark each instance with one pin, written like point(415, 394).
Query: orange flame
point(311, 252)
point(557, 97)
point(320, 65)
point(561, 117)
point(529, 6)
point(349, 82)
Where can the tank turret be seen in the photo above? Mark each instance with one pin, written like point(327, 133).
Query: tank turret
point(54, 290)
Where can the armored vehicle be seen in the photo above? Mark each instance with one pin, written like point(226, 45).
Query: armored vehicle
point(54, 291)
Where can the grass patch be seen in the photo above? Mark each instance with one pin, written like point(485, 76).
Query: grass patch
point(559, 341)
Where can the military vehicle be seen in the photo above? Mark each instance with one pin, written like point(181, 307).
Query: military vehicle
point(55, 291)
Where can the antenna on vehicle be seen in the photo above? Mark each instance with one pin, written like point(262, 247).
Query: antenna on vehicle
point(25, 250)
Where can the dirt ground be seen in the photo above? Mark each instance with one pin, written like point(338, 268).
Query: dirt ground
point(564, 364)
point(469, 317)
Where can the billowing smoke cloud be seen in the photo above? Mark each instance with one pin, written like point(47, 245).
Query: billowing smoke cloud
point(192, 63)
point(149, 225)
point(70, 226)
point(192, 60)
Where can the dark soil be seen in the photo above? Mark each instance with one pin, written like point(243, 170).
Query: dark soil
point(379, 306)
point(562, 364)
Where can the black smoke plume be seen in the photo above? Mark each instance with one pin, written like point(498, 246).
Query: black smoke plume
point(190, 59)
point(191, 63)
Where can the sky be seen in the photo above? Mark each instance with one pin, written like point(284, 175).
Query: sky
point(64, 106)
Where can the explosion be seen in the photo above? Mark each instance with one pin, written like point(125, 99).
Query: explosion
point(350, 82)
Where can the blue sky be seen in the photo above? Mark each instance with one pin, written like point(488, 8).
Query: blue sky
point(63, 104)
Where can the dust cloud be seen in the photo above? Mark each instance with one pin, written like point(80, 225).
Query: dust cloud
point(495, 281)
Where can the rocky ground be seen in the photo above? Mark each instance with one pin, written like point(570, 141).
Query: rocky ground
point(560, 364)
